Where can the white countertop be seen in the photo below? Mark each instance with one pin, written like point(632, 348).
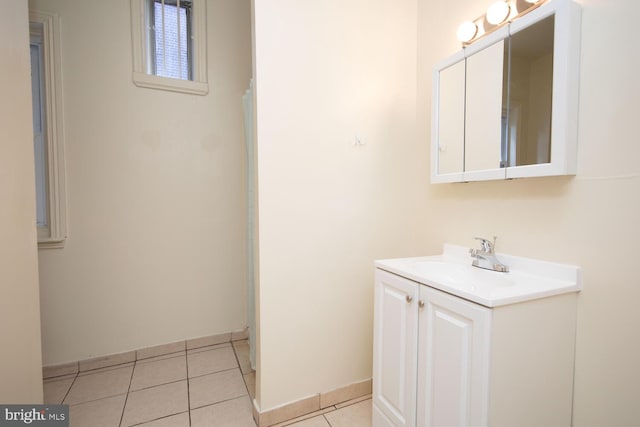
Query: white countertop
point(452, 272)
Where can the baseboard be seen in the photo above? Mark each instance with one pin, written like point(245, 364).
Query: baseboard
point(311, 405)
point(143, 353)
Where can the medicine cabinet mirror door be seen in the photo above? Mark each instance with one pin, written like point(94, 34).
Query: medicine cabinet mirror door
point(447, 149)
point(485, 97)
point(542, 107)
point(529, 104)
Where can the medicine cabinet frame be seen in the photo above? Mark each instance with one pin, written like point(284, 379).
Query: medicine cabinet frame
point(564, 101)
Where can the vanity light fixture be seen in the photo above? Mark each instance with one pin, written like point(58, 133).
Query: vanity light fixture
point(467, 31)
point(498, 12)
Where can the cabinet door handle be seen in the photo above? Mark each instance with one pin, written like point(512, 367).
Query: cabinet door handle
point(409, 298)
point(420, 303)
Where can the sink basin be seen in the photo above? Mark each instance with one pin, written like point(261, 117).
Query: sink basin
point(464, 275)
point(452, 272)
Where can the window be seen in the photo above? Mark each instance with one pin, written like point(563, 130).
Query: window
point(48, 135)
point(169, 50)
point(171, 39)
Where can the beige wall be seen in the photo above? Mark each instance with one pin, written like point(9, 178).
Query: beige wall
point(590, 220)
point(325, 72)
point(156, 191)
point(20, 354)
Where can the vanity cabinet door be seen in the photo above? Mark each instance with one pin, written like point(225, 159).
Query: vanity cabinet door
point(395, 352)
point(453, 363)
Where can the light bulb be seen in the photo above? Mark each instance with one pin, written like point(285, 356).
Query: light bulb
point(467, 31)
point(498, 12)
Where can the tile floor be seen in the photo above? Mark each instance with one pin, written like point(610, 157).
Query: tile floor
point(204, 387)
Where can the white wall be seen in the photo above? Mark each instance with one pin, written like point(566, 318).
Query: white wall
point(20, 354)
point(156, 192)
point(325, 72)
point(590, 220)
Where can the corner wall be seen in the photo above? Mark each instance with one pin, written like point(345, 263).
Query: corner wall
point(20, 354)
point(327, 72)
point(590, 220)
point(156, 191)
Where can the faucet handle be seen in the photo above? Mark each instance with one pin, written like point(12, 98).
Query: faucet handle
point(486, 244)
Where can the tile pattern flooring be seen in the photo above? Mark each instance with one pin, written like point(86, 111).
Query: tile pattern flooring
point(203, 387)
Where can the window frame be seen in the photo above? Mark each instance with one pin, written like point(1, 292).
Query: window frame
point(142, 57)
point(54, 234)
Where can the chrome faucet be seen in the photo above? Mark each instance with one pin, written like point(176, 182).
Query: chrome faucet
point(485, 257)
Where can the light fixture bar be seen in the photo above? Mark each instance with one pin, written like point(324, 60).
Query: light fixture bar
point(497, 15)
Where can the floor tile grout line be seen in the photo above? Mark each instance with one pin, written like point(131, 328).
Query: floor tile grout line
point(157, 385)
point(58, 378)
point(216, 372)
point(193, 353)
point(326, 411)
point(183, 379)
point(114, 365)
point(186, 362)
point(166, 416)
point(360, 399)
point(94, 400)
point(244, 380)
point(167, 356)
point(308, 416)
point(208, 348)
point(69, 389)
point(221, 344)
point(162, 383)
point(126, 398)
point(156, 419)
point(105, 369)
point(221, 401)
point(198, 353)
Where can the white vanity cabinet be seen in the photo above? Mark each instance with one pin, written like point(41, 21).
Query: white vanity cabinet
point(443, 361)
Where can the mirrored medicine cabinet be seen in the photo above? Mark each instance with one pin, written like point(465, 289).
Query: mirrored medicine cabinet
point(507, 106)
